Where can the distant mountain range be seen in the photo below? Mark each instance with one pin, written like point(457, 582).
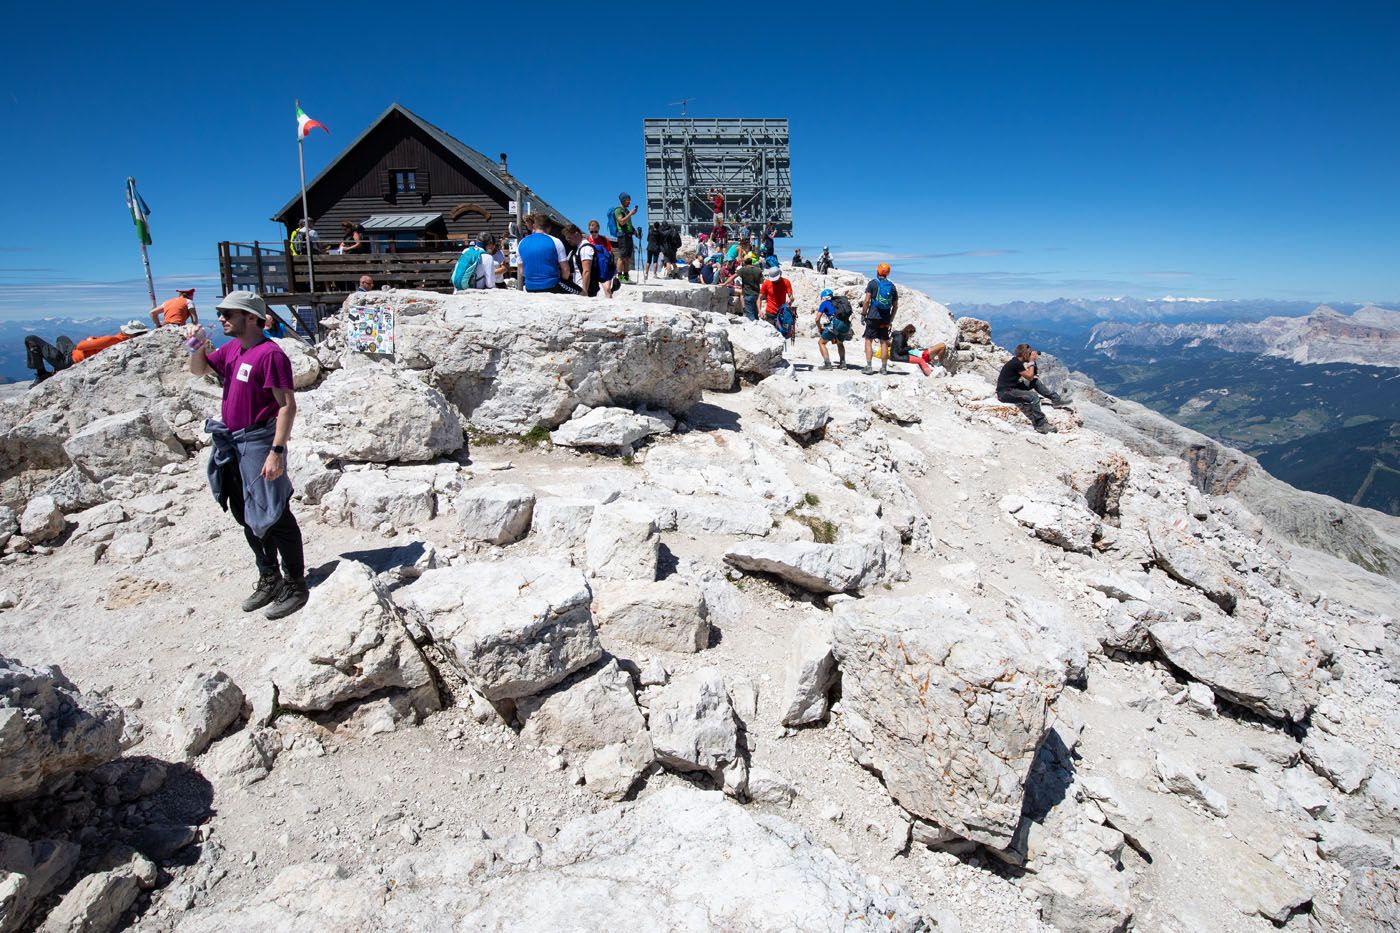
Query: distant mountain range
point(1312, 391)
point(1369, 336)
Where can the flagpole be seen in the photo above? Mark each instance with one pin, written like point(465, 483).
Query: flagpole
point(305, 214)
point(145, 257)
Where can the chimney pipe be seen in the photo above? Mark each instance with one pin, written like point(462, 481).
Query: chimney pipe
point(503, 163)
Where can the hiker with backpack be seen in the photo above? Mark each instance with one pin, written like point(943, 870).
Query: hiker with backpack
point(621, 229)
point(655, 237)
point(592, 265)
point(779, 309)
point(474, 269)
point(833, 327)
point(877, 310)
point(670, 246)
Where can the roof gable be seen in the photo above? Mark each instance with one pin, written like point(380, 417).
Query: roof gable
point(471, 159)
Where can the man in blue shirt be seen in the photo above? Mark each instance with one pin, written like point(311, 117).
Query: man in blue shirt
point(543, 263)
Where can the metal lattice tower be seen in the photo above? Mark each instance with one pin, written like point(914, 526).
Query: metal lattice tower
point(747, 159)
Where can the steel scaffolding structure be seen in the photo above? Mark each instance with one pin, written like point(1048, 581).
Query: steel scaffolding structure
point(746, 159)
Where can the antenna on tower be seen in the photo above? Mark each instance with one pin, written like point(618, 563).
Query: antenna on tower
point(681, 104)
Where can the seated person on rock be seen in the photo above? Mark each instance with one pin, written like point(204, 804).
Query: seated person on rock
point(833, 326)
point(1019, 383)
point(904, 350)
point(63, 353)
point(179, 310)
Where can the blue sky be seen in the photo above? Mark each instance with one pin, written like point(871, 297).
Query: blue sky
point(990, 151)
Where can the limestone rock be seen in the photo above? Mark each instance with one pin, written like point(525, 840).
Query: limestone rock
point(243, 758)
point(810, 673)
point(29, 872)
point(622, 542)
point(365, 499)
point(821, 568)
point(206, 704)
point(511, 628)
point(1055, 517)
point(48, 728)
point(306, 369)
point(128, 548)
point(594, 715)
point(561, 522)
point(611, 429)
point(95, 904)
point(757, 348)
point(349, 642)
point(898, 407)
point(41, 520)
point(312, 477)
point(767, 787)
point(694, 728)
point(1275, 677)
point(506, 378)
point(1342, 763)
point(632, 866)
point(138, 441)
point(974, 683)
point(793, 405)
point(1353, 848)
point(1180, 778)
point(1195, 564)
point(669, 614)
point(973, 331)
point(377, 414)
point(498, 513)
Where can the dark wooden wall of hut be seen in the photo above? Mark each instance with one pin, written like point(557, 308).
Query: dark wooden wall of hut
point(361, 185)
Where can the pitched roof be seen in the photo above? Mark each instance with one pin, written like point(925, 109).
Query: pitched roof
point(487, 168)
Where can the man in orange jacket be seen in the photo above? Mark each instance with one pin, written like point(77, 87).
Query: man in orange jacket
point(63, 353)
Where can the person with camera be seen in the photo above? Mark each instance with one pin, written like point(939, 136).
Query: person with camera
point(1019, 383)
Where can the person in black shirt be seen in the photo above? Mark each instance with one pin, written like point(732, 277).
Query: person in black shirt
point(1019, 383)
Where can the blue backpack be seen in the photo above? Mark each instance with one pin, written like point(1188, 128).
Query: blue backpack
point(603, 266)
point(883, 302)
point(464, 273)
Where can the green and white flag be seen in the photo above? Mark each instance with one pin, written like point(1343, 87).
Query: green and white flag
point(139, 212)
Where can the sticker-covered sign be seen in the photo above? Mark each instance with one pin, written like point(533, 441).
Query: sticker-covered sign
point(370, 330)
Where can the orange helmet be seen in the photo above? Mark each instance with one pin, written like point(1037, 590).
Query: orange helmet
point(882, 269)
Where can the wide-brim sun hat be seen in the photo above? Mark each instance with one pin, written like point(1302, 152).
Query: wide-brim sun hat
point(132, 328)
point(247, 302)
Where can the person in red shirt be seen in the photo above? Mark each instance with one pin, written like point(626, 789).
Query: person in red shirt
point(778, 307)
point(178, 310)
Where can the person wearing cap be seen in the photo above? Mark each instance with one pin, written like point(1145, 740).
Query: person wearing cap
point(877, 309)
point(248, 466)
point(751, 284)
point(833, 327)
point(778, 307)
point(63, 353)
point(824, 262)
point(626, 230)
point(178, 310)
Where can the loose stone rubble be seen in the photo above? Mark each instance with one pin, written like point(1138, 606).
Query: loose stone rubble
point(633, 617)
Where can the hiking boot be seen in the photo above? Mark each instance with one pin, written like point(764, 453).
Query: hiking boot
point(291, 596)
point(868, 370)
point(826, 364)
point(264, 593)
point(1046, 427)
point(884, 370)
point(1060, 401)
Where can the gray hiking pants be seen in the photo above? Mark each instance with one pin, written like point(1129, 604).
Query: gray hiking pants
point(1029, 399)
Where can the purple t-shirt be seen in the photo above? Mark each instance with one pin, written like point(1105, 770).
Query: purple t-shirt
point(249, 377)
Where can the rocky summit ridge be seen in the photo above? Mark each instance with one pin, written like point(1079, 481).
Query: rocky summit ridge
point(623, 613)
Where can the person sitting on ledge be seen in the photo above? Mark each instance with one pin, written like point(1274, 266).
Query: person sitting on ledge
point(63, 353)
point(904, 350)
point(1019, 383)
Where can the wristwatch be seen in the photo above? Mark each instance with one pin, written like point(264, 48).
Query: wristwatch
point(279, 448)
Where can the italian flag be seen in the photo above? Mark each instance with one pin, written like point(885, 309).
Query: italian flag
point(305, 124)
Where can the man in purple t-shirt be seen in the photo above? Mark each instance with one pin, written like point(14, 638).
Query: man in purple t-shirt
point(258, 396)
